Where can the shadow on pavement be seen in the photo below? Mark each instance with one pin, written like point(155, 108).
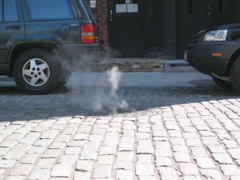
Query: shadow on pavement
point(79, 101)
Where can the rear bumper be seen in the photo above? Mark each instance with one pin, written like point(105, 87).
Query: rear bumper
point(200, 56)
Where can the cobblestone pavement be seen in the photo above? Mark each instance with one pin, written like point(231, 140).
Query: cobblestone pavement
point(166, 133)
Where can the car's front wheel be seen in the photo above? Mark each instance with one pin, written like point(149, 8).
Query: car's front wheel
point(235, 74)
point(36, 72)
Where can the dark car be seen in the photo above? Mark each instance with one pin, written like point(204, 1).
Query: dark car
point(42, 40)
point(216, 52)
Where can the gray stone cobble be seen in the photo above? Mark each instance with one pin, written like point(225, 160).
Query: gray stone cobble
point(144, 147)
point(29, 159)
point(210, 173)
point(144, 159)
point(16, 152)
point(72, 150)
point(125, 156)
point(167, 173)
point(8, 144)
point(7, 164)
point(122, 165)
point(51, 153)
point(108, 159)
point(45, 163)
point(230, 170)
point(124, 174)
point(85, 166)
point(82, 175)
point(102, 171)
point(21, 170)
point(205, 162)
point(57, 145)
point(15, 178)
point(30, 138)
point(144, 170)
point(198, 152)
point(62, 170)
point(42, 174)
point(188, 169)
point(170, 133)
point(222, 158)
point(182, 157)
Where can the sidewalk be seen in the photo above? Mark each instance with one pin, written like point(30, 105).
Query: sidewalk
point(142, 79)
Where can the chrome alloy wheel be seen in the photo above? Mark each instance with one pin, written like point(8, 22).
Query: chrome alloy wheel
point(36, 72)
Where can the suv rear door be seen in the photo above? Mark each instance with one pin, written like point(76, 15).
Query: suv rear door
point(51, 21)
point(11, 26)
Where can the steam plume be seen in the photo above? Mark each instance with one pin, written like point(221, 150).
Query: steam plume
point(109, 98)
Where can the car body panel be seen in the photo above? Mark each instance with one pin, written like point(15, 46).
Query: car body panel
point(12, 32)
point(200, 56)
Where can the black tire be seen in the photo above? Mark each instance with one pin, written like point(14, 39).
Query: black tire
point(66, 74)
point(36, 72)
point(235, 74)
point(223, 84)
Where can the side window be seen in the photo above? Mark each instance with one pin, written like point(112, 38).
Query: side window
point(49, 9)
point(10, 10)
point(1, 10)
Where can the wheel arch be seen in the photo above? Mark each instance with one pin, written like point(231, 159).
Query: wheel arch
point(235, 55)
point(18, 49)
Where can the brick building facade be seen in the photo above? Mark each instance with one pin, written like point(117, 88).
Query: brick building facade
point(100, 13)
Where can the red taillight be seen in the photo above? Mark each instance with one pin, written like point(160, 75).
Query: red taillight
point(88, 33)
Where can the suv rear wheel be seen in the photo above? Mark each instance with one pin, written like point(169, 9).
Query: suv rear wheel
point(65, 76)
point(235, 74)
point(36, 72)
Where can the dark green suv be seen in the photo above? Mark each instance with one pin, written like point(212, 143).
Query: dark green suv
point(42, 40)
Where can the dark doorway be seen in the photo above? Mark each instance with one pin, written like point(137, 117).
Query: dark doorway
point(135, 28)
point(196, 15)
point(126, 28)
point(154, 28)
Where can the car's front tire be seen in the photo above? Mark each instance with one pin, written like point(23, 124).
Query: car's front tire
point(235, 74)
point(36, 71)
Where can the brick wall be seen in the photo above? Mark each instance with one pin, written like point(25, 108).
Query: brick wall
point(100, 13)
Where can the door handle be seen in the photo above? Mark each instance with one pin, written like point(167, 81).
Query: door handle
point(13, 27)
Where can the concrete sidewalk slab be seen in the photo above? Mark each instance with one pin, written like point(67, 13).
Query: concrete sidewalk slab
point(7, 82)
point(153, 79)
